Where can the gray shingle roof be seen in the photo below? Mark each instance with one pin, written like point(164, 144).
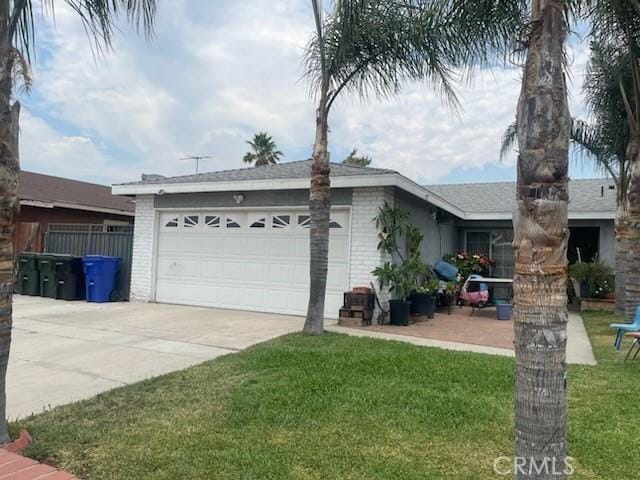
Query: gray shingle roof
point(299, 169)
point(499, 197)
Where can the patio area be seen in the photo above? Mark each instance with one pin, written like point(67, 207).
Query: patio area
point(481, 328)
point(480, 333)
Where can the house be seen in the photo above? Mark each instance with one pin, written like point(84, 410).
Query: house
point(46, 199)
point(487, 224)
point(239, 239)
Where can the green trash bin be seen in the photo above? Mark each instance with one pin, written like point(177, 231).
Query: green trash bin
point(47, 269)
point(61, 276)
point(28, 275)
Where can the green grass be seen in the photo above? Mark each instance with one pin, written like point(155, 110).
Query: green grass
point(336, 407)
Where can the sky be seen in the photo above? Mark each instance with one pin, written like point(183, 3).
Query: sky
point(215, 73)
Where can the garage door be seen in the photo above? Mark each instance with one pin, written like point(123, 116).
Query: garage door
point(247, 260)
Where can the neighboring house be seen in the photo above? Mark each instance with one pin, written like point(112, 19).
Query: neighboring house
point(240, 238)
point(45, 199)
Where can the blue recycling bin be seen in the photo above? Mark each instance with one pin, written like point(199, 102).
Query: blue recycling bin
point(100, 273)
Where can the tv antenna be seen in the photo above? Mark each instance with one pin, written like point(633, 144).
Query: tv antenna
point(197, 158)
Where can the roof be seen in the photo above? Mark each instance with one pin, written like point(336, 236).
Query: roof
point(588, 198)
point(47, 191)
point(299, 169)
point(282, 176)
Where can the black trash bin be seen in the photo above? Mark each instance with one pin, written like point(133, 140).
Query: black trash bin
point(28, 275)
point(69, 277)
point(61, 276)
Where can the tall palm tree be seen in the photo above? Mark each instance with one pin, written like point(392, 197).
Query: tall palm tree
point(17, 32)
point(540, 242)
point(373, 47)
point(265, 151)
point(616, 62)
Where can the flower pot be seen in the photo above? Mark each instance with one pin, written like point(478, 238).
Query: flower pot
point(585, 291)
point(504, 311)
point(399, 312)
point(423, 304)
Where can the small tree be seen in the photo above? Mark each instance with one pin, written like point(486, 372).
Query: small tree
point(264, 150)
point(357, 160)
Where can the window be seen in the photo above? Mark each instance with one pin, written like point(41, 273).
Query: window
point(259, 223)
point(190, 221)
point(281, 221)
point(212, 221)
point(479, 242)
point(498, 245)
point(173, 223)
point(304, 221)
point(231, 223)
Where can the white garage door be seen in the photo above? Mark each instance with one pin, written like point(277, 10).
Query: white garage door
point(248, 260)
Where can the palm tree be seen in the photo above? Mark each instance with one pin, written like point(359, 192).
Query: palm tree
point(373, 47)
point(540, 243)
point(17, 32)
point(356, 160)
point(264, 151)
point(615, 63)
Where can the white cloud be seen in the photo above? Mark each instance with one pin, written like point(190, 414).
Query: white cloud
point(217, 72)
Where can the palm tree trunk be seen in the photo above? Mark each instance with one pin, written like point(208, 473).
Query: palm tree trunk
point(9, 176)
point(622, 247)
point(541, 235)
point(632, 286)
point(319, 208)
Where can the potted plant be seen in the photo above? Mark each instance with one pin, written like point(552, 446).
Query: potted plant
point(401, 241)
point(595, 279)
point(424, 298)
point(400, 280)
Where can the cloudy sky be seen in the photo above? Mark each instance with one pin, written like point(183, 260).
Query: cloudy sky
point(217, 72)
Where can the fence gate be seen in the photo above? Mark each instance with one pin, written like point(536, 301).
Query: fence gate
point(83, 239)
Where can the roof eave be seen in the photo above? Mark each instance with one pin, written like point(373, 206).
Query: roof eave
point(76, 206)
point(347, 181)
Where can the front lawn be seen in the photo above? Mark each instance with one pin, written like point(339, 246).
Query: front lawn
point(336, 407)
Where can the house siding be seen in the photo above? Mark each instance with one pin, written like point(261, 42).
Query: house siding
point(439, 238)
point(364, 236)
point(143, 250)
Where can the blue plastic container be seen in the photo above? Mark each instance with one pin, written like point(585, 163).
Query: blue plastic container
point(100, 273)
point(445, 271)
point(504, 311)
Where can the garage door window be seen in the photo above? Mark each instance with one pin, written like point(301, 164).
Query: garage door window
point(281, 221)
point(334, 224)
point(212, 221)
point(173, 223)
point(304, 221)
point(231, 223)
point(258, 223)
point(191, 221)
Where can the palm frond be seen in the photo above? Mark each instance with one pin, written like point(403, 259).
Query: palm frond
point(509, 140)
point(97, 16)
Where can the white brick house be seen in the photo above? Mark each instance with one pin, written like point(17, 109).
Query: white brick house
point(239, 239)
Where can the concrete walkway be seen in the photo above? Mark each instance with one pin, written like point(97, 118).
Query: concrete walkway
point(579, 349)
point(68, 351)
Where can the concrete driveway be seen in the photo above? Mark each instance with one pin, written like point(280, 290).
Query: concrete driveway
point(68, 351)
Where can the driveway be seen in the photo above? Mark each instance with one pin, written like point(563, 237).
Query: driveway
point(68, 351)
